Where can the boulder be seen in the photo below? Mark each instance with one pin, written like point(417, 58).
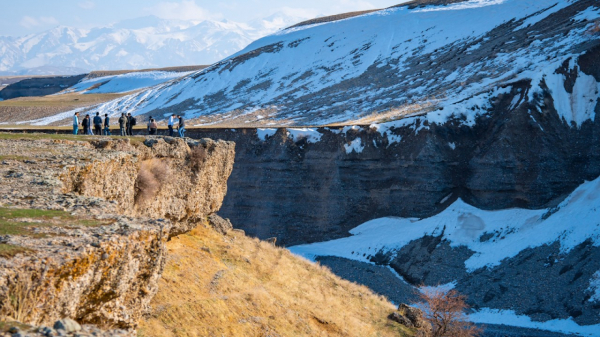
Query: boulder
point(221, 225)
point(68, 325)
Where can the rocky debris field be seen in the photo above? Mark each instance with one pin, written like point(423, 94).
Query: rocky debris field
point(67, 328)
point(84, 222)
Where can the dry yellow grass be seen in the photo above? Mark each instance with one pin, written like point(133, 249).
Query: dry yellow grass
point(216, 285)
point(30, 108)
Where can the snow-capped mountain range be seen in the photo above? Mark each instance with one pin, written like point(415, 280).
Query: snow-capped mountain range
point(457, 57)
point(146, 42)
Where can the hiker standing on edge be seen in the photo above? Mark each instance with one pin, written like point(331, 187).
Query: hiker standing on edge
point(106, 125)
point(85, 123)
point(152, 126)
point(98, 124)
point(123, 124)
point(131, 122)
point(76, 123)
point(171, 124)
point(150, 119)
point(90, 131)
point(181, 126)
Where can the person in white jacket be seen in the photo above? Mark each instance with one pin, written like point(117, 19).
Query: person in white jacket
point(171, 124)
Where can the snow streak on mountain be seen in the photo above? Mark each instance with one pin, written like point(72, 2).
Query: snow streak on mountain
point(456, 58)
point(147, 42)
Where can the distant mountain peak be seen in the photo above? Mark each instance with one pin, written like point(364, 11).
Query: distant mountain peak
point(144, 42)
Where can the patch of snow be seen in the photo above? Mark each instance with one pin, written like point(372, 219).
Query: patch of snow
point(462, 5)
point(576, 107)
point(544, 14)
point(452, 146)
point(509, 317)
point(263, 134)
point(590, 14)
point(54, 118)
point(468, 110)
point(355, 146)
point(445, 198)
point(442, 288)
point(577, 220)
point(310, 134)
point(125, 82)
point(595, 287)
point(351, 127)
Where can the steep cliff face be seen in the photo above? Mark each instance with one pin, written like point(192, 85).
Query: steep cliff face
point(185, 190)
point(316, 184)
point(69, 251)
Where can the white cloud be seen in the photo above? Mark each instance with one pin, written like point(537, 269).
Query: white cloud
point(30, 22)
point(184, 10)
point(87, 4)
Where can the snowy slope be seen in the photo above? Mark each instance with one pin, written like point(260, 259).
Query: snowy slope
point(147, 42)
point(507, 233)
point(576, 220)
point(124, 82)
point(429, 57)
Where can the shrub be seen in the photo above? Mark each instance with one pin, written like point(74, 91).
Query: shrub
point(150, 178)
point(445, 311)
point(197, 157)
point(23, 296)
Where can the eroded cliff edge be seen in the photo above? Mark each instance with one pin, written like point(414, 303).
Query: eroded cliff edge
point(84, 223)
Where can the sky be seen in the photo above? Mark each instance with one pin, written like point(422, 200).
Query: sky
point(18, 18)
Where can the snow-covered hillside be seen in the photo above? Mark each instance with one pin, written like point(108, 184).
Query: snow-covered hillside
point(494, 239)
point(124, 82)
point(147, 42)
point(400, 59)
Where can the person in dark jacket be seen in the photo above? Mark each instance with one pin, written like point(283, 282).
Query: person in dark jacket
point(98, 124)
point(85, 123)
point(123, 125)
point(181, 126)
point(130, 124)
point(106, 125)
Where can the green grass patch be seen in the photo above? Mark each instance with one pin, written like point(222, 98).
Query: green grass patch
point(8, 251)
point(17, 221)
point(15, 157)
point(54, 136)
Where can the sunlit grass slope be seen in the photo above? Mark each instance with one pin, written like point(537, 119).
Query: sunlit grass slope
point(216, 285)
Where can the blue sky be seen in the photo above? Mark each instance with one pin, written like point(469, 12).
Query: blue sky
point(31, 16)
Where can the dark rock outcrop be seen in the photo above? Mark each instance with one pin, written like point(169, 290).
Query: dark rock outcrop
point(42, 86)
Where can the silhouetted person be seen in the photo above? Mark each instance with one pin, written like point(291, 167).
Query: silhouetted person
point(106, 125)
point(123, 125)
point(85, 123)
point(98, 124)
point(131, 121)
point(181, 126)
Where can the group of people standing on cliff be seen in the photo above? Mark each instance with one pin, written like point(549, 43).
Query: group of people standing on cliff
point(99, 127)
